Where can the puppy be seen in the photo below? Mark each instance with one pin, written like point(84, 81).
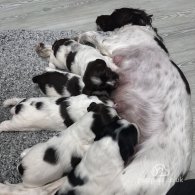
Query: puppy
point(152, 93)
point(55, 83)
point(97, 71)
point(104, 160)
point(60, 154)
point(51, 113)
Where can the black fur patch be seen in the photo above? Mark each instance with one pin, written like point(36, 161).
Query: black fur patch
point(183, 78)
point(60, 100)
point(75, 161)
point(123, 16)
point(73, 86)
point(98, 69)
point(50, 156)
point(89, 44)
point(70, 59)
point(127, 139)
point(18, 108)
point(102, 118)
point(54, 79)
point(21, 169)
point(70, 192)
point(161, 44)
point(75, 180)
point(59, 43)
point(39, 105)
point(23, 100)
point(183, 188)
point(64, 113)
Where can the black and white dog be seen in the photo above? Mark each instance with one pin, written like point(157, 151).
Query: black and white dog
point(56, 83)
point(97, 71)
point(152, 93)
point(51, 113)
point(59, 155)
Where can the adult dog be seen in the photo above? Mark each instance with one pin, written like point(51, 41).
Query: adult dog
point(154, 94)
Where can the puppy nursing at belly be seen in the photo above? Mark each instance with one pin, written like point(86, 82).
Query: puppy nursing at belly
point(51, 113)
point(59, 155)
point(97, 71)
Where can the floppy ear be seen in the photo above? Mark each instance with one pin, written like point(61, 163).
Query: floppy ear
point(127, 139)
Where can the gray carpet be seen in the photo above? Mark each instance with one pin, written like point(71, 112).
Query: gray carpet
point(18, 63)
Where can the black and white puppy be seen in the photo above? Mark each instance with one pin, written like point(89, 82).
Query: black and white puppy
point(56, 83)
point(104, 160)
point(60, 154)
point(97, 71)
point(51, 113)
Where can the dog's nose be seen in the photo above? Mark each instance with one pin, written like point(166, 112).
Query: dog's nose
point(20, 169)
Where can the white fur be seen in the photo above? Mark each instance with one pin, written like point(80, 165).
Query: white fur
point(48, 117)
point(152, 95)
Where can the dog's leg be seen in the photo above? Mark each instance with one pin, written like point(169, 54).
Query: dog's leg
point(12, 102)
point(43, 50)
point(16, 125)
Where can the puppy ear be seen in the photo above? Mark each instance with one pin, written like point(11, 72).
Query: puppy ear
point(36, 79)
point(127, 139)
point(92, 107)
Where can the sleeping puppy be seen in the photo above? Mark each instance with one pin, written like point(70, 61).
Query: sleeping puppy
point(60, 154)
point(51, 113)
point(55, 83)
point(97, 71)
point(152, 93)
point(104, 160)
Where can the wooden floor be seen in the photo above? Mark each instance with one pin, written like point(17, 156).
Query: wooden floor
point(175, 20)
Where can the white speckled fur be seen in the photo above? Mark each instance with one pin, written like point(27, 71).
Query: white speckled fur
point(153, 96)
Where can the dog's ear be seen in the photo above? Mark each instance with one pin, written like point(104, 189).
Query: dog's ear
point(127, 139)
point(92, 107)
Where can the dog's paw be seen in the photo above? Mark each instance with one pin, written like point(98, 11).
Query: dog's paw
point(43, 50)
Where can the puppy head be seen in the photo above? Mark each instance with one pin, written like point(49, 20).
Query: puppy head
point(103, 116)
point(127, 135)
point(98, 77)
point(121, 17)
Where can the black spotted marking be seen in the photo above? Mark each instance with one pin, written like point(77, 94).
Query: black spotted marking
point(75, 161)
point(102, 118)
point(75, 180)
point(64, 113)
point(60, 100)
point(39, 105)
point(127, 139)
point(65, 174)
point(73, 86)
point(59, 43)
point(161, 44)
point(70, 192)
point(21, 169)
point(70, 59)
point(183, 77)
point(88, 44)
point(18, 108)
point(56, 80)
point(23, 100)
point(51, 156)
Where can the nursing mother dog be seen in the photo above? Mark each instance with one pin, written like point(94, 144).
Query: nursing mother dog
point(154, 94)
